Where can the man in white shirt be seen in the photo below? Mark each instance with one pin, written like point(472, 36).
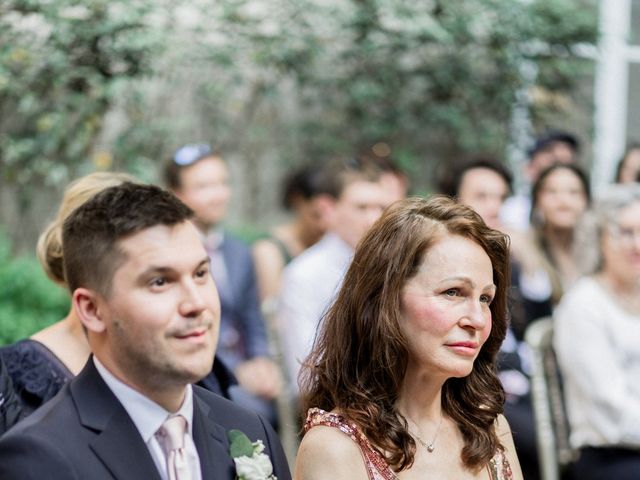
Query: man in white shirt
point(354, 199)
point(140, 283)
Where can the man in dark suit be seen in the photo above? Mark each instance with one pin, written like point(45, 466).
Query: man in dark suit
point(199, 177)
point(141, 285)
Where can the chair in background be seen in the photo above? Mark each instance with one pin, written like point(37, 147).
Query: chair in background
point(552, 429)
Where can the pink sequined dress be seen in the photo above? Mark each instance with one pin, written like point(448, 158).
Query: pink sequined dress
point(377, 467)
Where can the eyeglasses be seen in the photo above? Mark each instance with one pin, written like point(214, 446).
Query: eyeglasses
point(191, 153)
point(626, 235)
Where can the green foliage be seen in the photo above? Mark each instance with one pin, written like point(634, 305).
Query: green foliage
point(277, 79)
point(29, 301)
point(62, 64)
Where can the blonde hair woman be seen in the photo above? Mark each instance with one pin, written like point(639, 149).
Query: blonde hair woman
point(41, 365)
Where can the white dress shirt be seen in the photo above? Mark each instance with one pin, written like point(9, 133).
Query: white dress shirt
point(598, 347)
point(148, 417)
point(309, 285)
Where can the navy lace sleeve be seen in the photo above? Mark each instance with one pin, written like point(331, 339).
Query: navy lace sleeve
point(37, 374)
point(10, 410)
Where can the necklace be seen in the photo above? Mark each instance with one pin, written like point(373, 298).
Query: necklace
point(431, 445)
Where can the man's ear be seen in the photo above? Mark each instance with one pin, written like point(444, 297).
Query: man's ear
point(87, 304)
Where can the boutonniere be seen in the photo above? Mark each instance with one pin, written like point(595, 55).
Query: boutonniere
point(251, 463)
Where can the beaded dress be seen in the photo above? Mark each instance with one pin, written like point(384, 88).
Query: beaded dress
point(377, 467)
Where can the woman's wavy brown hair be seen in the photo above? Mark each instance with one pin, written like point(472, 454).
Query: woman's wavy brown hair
point(360, 354)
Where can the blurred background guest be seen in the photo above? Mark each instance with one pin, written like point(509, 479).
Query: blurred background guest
point(401, 376)
point(199, 177)
point(286, 241)
point(482, 183)
point(597, 333)
point(42, 364)
point(553, 146)
point(354, 200)
point(628, 169)
point(544, 254)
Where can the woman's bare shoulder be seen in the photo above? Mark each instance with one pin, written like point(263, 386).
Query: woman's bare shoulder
point(506, 439)
point(328, 453)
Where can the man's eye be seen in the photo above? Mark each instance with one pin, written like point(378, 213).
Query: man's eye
point(202, 273)
point(452, 292)
point(159, 282)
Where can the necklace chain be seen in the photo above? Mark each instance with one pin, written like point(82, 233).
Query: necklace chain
point(431, 445)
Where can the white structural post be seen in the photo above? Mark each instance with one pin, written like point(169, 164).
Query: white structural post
point(611, 90)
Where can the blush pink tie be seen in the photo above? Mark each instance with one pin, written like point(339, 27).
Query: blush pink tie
point(171, 437)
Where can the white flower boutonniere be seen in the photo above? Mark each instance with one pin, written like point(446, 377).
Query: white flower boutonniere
point(251, 463)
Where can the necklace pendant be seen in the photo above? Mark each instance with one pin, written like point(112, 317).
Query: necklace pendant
point(430, 447)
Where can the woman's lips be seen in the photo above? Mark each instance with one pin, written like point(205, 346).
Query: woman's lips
point(467, 349)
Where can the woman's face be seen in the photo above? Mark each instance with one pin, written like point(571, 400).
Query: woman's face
point(621, 245)
point(561, 200)
point(445, 307)
point(631, 167)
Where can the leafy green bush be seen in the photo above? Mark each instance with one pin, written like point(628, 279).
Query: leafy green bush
point(29, 301)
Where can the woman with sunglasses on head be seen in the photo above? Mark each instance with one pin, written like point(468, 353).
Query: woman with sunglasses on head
point(597, 339)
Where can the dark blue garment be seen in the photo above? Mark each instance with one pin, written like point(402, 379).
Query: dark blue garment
point(10, 411)
point(607, 463)
point(36, 372)
point(243, 334)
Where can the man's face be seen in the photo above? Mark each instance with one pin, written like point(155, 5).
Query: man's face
point(359, 206)
point(162, 316)
point(485, 191)
point(205, 189)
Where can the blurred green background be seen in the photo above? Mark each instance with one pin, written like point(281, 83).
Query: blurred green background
point(118, 85)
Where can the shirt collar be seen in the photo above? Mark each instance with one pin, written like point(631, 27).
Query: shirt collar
point(146, 414)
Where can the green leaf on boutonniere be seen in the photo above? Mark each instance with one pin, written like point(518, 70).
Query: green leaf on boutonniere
point(240, 445)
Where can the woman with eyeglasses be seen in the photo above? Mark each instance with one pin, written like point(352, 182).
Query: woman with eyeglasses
point(597, 340)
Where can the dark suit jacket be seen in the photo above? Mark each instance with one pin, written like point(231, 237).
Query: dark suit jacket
point(240, 307)
point(85, 433)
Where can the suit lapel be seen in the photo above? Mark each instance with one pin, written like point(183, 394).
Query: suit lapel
point(211, 442)
point(117, 442)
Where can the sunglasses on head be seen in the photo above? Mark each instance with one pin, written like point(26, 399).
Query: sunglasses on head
point(191, 153)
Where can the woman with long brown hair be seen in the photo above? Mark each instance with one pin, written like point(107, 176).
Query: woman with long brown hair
point(404, 361)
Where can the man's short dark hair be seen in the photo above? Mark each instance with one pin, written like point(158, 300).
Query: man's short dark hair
point(91, 233)
point(550, 138)
point(451, 180)
point(302, 183)
point(338, 173)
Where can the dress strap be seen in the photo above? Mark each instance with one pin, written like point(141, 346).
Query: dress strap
point(499, 467)
point(377, 467)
